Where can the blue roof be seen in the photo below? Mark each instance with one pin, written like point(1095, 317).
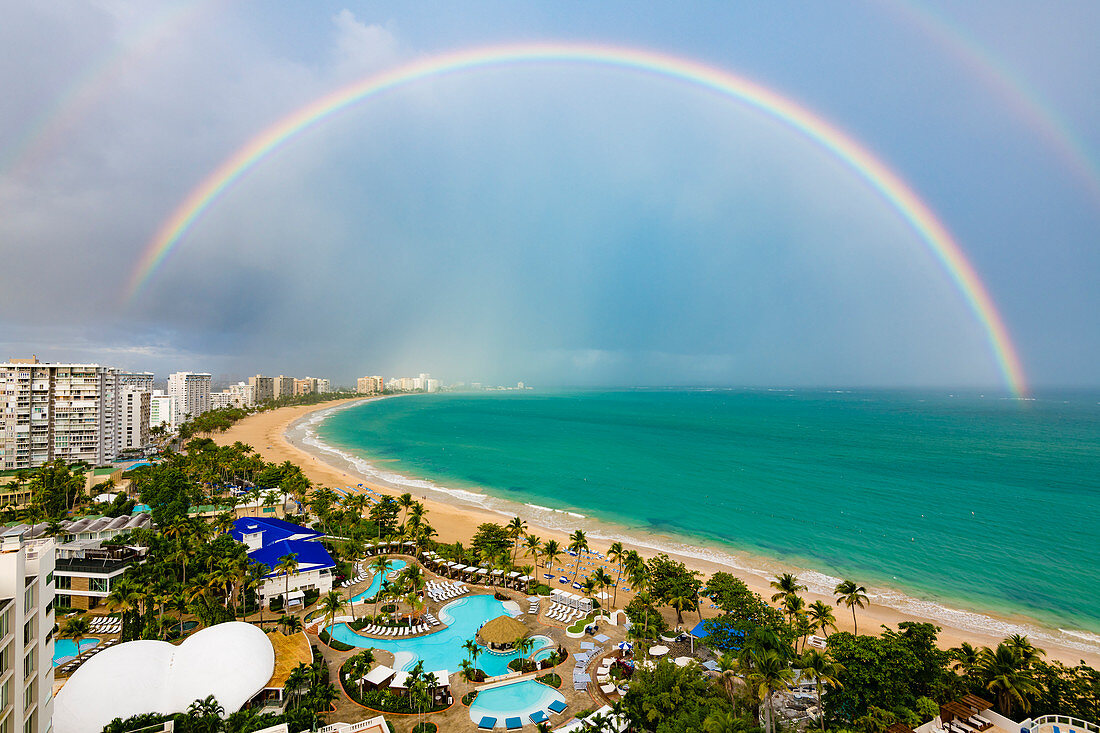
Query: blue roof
point(273, 529)
point(698, 631)
point(311, 555)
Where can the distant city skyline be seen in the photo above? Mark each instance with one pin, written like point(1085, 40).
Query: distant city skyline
point(544, 218)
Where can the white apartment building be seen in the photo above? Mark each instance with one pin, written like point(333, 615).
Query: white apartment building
point(26, 633)
point(323, 386)
point(369, 385)
point(162, 410)
point(57, 411)
point(135, 408)
point(221, 400)
point(244, 394)
point(192, 393)
point(142, 381)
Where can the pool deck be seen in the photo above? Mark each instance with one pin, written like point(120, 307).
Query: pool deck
point(457, 717)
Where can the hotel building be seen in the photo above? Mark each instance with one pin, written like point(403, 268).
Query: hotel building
point(58, 411)
point(26, 633)
point(192, 393)
point(263, 389)
point(369, 385)
point(283, 387)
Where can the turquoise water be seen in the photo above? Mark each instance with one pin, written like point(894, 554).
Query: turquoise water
point(518, 699)
point(376, 582)
point(443, 649)
point(64, 650)
point(984, 503)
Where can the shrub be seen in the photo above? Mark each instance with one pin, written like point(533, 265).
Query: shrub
point(389, 608)
point(425, 727)
point(312, 594)
point(277, 603)
point(469, 698)
point(550, 679)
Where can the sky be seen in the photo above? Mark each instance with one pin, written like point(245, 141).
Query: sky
point(560, 224)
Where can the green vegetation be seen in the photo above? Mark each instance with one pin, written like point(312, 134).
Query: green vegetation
point(551, 679)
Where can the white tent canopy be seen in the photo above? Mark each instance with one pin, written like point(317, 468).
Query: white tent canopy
point(378, 675)
point(231, 661)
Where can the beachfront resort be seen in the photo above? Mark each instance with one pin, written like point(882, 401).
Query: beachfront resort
point(336, 609)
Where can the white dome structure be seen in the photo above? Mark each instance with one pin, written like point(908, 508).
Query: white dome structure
point(231, 661)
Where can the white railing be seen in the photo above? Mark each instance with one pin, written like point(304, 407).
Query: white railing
point(1074, 723)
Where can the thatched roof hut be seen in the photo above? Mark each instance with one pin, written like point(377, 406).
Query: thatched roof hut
point(502, 631)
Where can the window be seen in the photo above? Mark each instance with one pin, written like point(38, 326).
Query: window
point(64, 582)
point(28, 632)
point(5, 662)
point(49, 578)
point(99, 585)
point(4, 623)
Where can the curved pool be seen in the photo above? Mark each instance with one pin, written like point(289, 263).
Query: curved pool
point(517, 700)
point(64, 650)
point(443, 649)
point(376, 584)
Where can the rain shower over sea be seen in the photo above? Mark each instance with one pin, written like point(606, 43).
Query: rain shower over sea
point(951, 501)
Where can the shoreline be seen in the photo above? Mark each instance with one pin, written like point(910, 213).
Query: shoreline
point(286, 434)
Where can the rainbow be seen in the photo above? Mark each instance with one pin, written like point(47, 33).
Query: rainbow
point(1016, 93)
point(862, 162)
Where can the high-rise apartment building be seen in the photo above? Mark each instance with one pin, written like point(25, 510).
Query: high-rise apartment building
point(323, 386)
point(57, 411)
point(263, 388)
point(134, 425)
point(283, 386)
point(244, 394)
point(162, 410)
point(26, 633)
point(305, 386)
point(192, 393)
point(369, 385)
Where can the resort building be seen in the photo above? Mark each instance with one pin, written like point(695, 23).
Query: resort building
point(134, 425)
point(192, 393)
point(269, 540)
point(282, 386)
point(263, 389)
point(162, 410)
point(369, 385)
point(26, 633)
point(233, 662)
point(323, 386)
point(57, 411)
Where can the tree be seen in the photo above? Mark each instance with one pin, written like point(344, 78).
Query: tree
point(490, 540)
point(1005, 673)
point(770, 672)
point(532, 547)
point(821, 616)
point(516, 529)
point(824, 671)
point(851, 595)
point(787, 585)
point(671, 698)
point(615, 554)
point(380, 565)
point(76, 629)
point(288, 565)
point(578, 543)
point(551, 551)
point(331, 605)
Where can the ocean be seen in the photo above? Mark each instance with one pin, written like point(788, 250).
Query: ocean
point(945, 504)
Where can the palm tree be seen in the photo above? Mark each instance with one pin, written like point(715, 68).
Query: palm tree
point(551, 551)
point(824, 671)
point(680, 599)
point(966, 659)
point(852, 595)
point(473, 650)
point(1029, 654)
point(602, 579)
point(792, 606)
point(331, 604)
point(821, 616)
point(76, 629)
point(723, 722)
point(467, 669)
point(787, 585)
point(288, 565)
point(532, 546)
point(1005, 674)
point(578, 543)
point(405, 501)
point(516, 529)
point(770, 672)
point(615, 554)
point(380, 565)
point(291, 624)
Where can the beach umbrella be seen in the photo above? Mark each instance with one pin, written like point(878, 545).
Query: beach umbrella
point(683, 661)
point(626, 646)
point(658, 651)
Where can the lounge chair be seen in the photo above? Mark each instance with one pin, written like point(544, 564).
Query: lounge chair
point(608, 689)
point(557, 707)
point(513, 723)
point(538, 717)
point(487, 723)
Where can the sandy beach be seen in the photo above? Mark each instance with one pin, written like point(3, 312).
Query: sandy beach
point(266, 432)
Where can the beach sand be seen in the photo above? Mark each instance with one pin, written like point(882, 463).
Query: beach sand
point(265, 431)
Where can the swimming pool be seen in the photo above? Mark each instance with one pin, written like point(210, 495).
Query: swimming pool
point(376, 584)
point(544, 654)
point(443, 649)
point(517, 700)
point(64, 650)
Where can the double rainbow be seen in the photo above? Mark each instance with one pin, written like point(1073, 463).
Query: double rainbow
point(861, 161)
